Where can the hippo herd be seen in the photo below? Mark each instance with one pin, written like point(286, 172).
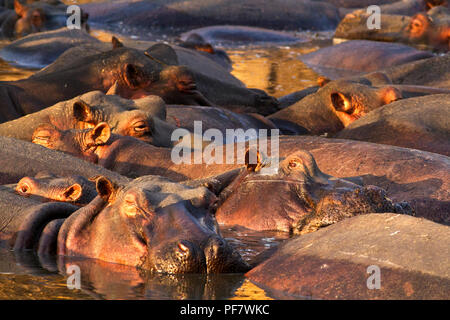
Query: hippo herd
point(361, 175)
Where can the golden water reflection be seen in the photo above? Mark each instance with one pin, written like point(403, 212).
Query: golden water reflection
point(276, 70)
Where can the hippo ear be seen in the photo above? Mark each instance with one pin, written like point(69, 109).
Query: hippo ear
point(106, 189)
point(99, 135)
point(321, 81)
point(44, 134)
point(340, 102)
point(19, 8)
point(163, 53)
point(116, 43)
point(82, 111)
point(390, 94)
point(134, 76)
point(114, 90)
point(72, 193)
point(418, 25)
point(253, 160)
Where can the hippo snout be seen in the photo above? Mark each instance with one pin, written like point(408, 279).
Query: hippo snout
point(222, 258)
point(181, 256)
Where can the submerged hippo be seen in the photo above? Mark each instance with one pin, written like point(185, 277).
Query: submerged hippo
point(430, 29)
point(47, 187)
point(186, 239)
point(431, 72)
point(39, 50)
point(334, 106)
point(35, 16)
point(141, 118)
point(20, 159)
point(133, 74)
point(358, 56)
point(297, 198)
point(420, 123)
point(241, 35)
point(418, 177)
point(340, 261)
point(143, 16)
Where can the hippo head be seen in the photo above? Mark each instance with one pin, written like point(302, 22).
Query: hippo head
point(299, 198)
point(153, 72)
point(141, 118)
point(74, 189)
point(350, 100)
point(31, 19)
point(150, 223)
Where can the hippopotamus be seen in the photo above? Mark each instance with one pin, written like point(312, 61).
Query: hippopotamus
point(215, 118)
point(432, 28)
point(118, 226)
point(39, 50)
point(417, 30)
point(143, 16)
point(417, 177)
point(133, 74)
point(35, 16)
point(21, 158)
point(420, 123)
point(343, 261)
point(406, 7)
point(334, 106)
point(198, 43)
point(142, 118)
point(127, 155)
point(358, 56)
point(46, 187)
point(432, 72)
point(297, 198)
point(241, 35)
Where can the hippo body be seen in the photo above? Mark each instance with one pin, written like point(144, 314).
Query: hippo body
point(35, 16)
point(215, 118)
point(241, 35)
point(186, 240)
point(419, 123)
point(298, 198)
point(142, 118)
point(20, 159)
point(186, 15)
point(133, 74)
point(337, 262)
point(39, 50)
point(417, 177)
point(334, 106)
point(429, 30)
point(359, 56)
point(432, 72)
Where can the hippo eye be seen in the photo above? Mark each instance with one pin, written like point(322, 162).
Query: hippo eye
point(140, 126)
point(130, 207)
point(295, 163)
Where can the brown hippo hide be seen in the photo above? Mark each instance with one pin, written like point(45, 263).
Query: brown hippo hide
point(297, 198)
point(334, 106)
point(47, 187)
point(358, 56)
point(412, 256)
point(142, 118)
point(19, 159)
point(215, 118)
point(420, 123)
point(153, 224)
point(432, 72)
point(418, 177)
